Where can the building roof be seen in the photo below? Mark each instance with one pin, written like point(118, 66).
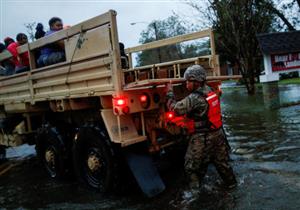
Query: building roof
point(281, 42)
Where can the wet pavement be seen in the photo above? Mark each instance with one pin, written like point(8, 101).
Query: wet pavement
point(265, 156)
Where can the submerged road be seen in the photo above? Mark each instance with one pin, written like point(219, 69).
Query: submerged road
point(265, 156)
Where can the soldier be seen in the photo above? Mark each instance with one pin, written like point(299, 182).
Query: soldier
point(208, 142)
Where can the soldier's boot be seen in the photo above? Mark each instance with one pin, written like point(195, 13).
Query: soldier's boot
point(231, 182)
point(229, 178)
point(192, 193)
point(2, 154)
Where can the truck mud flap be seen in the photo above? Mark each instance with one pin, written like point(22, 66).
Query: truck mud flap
point(145, 173)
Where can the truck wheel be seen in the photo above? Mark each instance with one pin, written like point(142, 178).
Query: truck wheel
point(51, 151)
point(93, 159)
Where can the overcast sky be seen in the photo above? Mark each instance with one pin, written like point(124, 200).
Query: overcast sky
point(14, 13)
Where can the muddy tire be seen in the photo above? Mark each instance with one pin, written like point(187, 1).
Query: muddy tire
point(51, 150)
point(94, 159)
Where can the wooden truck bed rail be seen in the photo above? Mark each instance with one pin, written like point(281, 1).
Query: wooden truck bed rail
point(92, 78)
point(92, 65)
point(135, 76)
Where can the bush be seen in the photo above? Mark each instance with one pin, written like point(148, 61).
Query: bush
point(289, 75)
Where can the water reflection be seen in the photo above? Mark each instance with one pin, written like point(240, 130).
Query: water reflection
point(289, 93)
point(266, 150)
point(259, 134)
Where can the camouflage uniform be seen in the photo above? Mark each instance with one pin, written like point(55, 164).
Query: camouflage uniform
point(205, 146)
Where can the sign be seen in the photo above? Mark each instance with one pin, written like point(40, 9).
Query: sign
point(284, 62)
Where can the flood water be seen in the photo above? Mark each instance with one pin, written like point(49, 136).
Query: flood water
point(265, 157)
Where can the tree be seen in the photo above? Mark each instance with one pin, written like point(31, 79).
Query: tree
point(287, 14)
point(236, 24)
point(156, 30)
point(30, 30)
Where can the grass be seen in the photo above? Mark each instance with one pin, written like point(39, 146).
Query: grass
point(290, 81)
point(229, 81)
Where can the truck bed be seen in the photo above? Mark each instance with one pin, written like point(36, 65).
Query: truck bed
point(92, 66)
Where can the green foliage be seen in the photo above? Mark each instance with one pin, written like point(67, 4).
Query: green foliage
point(236, 24)
point(289, 75)
point(169, 27)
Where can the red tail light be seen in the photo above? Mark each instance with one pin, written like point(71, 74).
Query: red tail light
point(170, 115)
point(119, 102)
point(120, 105)
point(125, 110)
point(145, 100)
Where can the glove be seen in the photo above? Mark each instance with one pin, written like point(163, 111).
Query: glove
point(170, 93)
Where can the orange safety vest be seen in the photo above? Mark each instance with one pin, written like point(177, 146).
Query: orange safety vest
point(214, 111)
point(211, 121)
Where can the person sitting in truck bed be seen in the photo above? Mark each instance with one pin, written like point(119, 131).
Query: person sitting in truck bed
point(8, 41)
point(7, 66)
point(124, 57)
point(39, 33)
point(52, 53)
point(21, 61)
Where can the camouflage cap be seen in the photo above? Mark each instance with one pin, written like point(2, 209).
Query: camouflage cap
point(195, 72)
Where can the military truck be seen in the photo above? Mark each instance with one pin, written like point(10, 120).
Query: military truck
point(87, 111)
